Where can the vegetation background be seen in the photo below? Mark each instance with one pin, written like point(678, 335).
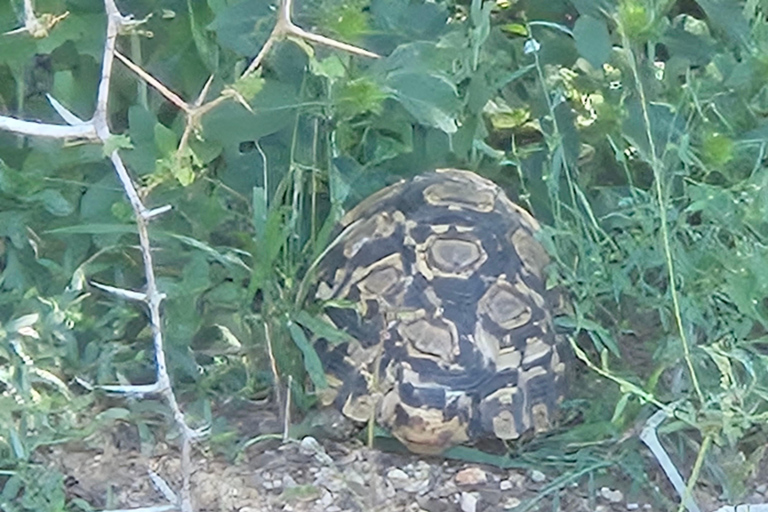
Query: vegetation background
point(634, 130)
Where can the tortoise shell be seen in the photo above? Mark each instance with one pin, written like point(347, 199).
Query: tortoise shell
point(451, 333)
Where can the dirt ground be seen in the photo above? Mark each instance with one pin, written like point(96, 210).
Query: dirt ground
point(108, 471)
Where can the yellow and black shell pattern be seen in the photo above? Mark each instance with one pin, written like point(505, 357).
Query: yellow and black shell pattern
point(452, 338)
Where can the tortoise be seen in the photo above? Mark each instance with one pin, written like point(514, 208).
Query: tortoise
point(451, 339)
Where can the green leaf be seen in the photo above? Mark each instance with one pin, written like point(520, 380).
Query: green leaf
point(65, 87)
point(358, 97)
point(182, 171)
point(689, 39)
point(717, 149)
point(347, 19)
point(141, 130)
point(400, 21)
point(634, 19)
point(54, 202)
point(249, 86)
point(259, 201)
point(113, 413)
point(94, 229)
point(330, 67)
point(204, 42)
point(244, 27)
point(311, 361)
point(621, 405)
point(166, 140)
point(431, 99)
point(515, 29)
point(321, 328)
point(592, 40)
point(728, 17)
point(116, 142)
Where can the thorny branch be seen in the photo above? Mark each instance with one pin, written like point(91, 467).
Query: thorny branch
point(97, 130)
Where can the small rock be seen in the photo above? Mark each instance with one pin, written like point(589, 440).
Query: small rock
point(468, 502)
point(398, 478)
point(277, 484)
point(418, 486)
point(537, 476)
point(421, 471)
point(389, 490)
point(517, 479)
point(288, 481)
point(506, 485)
point(347, 459)
point(446, 489)
point(633, 506)
point(330, 479)
point(471, 476)
point(762, 488)
point(419, 481)
point(333, 508)
point(309, 446)
point(267, 484)
point(511, 503)
point(326, 499)
point(614, 496)
point(353, 477)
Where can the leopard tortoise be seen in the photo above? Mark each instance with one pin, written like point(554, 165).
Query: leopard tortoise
point(452, 337)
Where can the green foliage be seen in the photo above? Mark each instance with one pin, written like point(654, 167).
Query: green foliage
point(634, 130)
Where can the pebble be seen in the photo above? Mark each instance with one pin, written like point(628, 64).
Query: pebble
point(633, 506)
point(353, 477)
point(471, 476)
point(326, 500)
point(420, 480)
point(468, 502)
point(310, 447)
point(510, 503)
point(330, 479)
point(762, 488)
point(614, 496)
point(398, 478)
point(517, 479)
point(506, 485)
point(537, 476)
point(421, 470)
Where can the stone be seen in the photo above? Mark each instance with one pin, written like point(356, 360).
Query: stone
point(471, 476)
point(398, 478)
point(468, 502)
point(614, 496)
